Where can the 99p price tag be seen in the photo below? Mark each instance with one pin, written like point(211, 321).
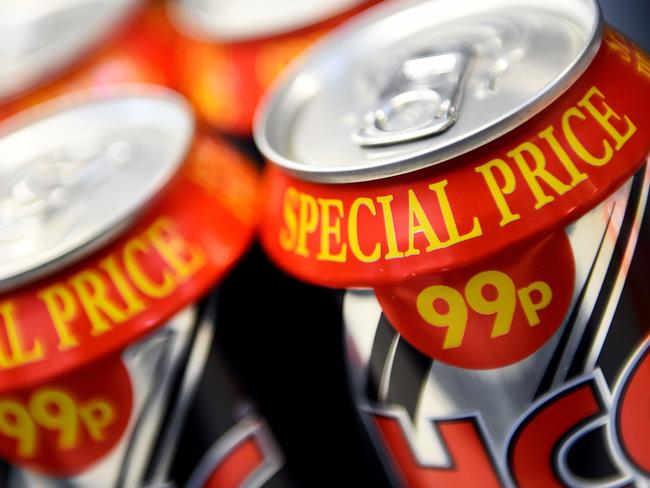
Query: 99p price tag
point(64, 426)
point(489, 315)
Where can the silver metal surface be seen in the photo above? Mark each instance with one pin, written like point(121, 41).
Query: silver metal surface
point(161, 463)
point(38, 38)
point(228, 20)
point(74, 172)
point(382, 96)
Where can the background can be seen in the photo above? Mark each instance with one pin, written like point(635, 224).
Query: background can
point(130, 44)
point(112, 302)
point(226, 62)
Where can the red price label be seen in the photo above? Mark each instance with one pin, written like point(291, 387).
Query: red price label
point(66, 425)
point(490, 315)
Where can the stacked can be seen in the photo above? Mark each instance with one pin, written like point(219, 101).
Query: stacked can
point(230, 52)
point(163, 407)
point(477, 179)
point(116, 218)
point(52, 49)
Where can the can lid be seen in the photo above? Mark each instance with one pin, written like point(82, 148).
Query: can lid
point(413, 83)
point(74, 172)
point(39, 38)
point(228, 20)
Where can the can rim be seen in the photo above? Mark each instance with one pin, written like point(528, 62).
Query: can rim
point(197, 24)
point(389, 167)
point(57, 257)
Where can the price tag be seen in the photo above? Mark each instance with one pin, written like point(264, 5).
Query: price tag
point(489, 315)
point(64, 426)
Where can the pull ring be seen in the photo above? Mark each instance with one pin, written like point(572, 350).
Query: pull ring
point(421, 100)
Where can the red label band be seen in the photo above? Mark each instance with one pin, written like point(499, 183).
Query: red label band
point(536, 179)
point(174, 253)
point(490, 315)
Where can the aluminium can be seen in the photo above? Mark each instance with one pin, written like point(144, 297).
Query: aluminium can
point(229, 52)
point(478, 181)
point(53, 48)
point(116, 218)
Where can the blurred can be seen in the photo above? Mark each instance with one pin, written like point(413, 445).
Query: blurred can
point(230, 52)
point(53, 48)
point(478, 181)
point(116, 218)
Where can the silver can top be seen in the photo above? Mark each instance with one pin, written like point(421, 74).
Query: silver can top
point(413, 83)
point(75, 171)
point(40, 37)
point(237, 20)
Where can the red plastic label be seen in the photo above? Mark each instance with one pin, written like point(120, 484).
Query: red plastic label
point(63, 426)
point(486, 316)
point(528, 183)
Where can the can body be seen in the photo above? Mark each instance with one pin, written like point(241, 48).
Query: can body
point(475, 352)
point(101, 352)
point(540, 420)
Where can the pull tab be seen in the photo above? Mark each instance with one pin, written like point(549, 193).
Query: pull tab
point(421, 100)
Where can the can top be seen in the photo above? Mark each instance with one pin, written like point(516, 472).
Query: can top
point(228, 20)
point(413, 83)
point(38, 38)
point(75, 171)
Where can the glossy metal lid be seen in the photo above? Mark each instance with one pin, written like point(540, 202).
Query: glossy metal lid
point(75, 171)
point(40, 37)
point(417, 82)
point(232, 20)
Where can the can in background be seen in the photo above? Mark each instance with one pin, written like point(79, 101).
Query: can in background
point(490, 197)
point(230, 52)
point(54, 49)
point(109, 287)
point(540, 420)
